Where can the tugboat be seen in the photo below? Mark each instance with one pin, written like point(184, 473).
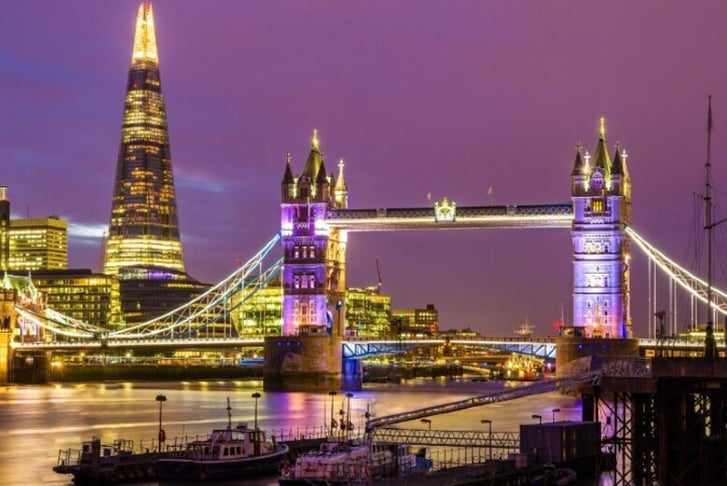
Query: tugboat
point(226, 453)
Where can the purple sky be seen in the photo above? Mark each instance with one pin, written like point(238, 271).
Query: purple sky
point(417, 96)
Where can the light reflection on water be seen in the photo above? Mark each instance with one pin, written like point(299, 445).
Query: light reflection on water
point(41, 420)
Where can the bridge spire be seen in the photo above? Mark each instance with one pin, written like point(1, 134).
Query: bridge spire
point(601, 159)
point(340, 189)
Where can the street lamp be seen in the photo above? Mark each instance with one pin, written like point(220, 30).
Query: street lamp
point(428, 422)
point(333, 421)
point(539, 417)
point(489, 437)
point(162, 436)
point(554, 412)
point(348, 413)
point(256, 395)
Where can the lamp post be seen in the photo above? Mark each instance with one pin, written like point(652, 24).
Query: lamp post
point(162, 436)
point(428, 422)
point(539, 417)
point(333, 421)
point(256, 395)
point(348, 414)
point(489, 437)
point(555, 410)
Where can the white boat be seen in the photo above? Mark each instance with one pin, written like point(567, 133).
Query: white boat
point(343, 463)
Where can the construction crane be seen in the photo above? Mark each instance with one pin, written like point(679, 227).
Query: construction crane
point(378, 272)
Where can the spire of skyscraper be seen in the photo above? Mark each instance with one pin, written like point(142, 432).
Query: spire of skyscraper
point(144, 230)
point(145, 42)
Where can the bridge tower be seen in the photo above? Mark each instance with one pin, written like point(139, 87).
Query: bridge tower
point(308, 354)
point(601, 194)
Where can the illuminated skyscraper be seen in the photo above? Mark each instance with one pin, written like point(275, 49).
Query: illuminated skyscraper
point(144, 229)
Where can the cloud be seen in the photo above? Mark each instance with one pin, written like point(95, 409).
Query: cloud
point(86, 234)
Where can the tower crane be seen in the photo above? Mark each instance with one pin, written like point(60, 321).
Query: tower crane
point(378, 273)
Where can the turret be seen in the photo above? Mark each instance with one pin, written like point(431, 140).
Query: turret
point(578, 175)
point(287, 185)
point(340, 189)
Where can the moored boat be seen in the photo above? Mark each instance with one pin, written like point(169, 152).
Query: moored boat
point(353, 462)
point(226, 453)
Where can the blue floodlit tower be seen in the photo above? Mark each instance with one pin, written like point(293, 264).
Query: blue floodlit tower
point(601, 193)
point(314, 255)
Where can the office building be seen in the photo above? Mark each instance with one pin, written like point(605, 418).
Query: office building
point(368, 313)
point(416, 322)
point(37, 244)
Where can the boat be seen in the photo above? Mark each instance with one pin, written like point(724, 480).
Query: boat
point(525, 331)
point(353, 462)
point(226, 453)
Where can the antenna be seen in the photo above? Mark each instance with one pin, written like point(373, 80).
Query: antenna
point(710, 348)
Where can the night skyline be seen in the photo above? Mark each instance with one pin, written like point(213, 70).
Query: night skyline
point(416, 97)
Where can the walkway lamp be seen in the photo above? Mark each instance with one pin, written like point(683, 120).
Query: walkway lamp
point(539, 417)
point(489, 437)
point(555, 410)
point(428, 422)
point(333, 421)
point(256, 395)
point(348, 413)
point(162, 436)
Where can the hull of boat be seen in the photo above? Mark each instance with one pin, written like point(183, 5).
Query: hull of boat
point(178, 468)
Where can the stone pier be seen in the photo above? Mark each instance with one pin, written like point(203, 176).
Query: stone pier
point(303, 363)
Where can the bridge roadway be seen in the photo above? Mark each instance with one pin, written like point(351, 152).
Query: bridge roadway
point(353, 348)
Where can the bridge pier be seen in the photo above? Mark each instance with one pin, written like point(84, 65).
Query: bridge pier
point(570, 348)
point(303, 363)
point(352, 374)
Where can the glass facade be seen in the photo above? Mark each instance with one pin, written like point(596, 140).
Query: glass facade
point(368, 313)
point(144, 228)
point(261, 314)
point(37, 244)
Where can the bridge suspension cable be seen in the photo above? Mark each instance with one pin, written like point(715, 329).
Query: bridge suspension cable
point(208, 308)
point(694, 285)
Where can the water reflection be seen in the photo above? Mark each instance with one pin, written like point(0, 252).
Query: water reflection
point(43, 419)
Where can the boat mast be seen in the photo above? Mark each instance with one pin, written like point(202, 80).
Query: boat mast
point(710, 348)
point(229, 415)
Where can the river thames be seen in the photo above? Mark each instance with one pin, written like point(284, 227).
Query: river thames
point(38, 421)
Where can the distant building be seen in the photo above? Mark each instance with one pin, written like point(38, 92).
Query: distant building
point(81, 294)
point(37, 244)
point(368, 313)
point(4, 229)
point(416, 322)
point(149, 292)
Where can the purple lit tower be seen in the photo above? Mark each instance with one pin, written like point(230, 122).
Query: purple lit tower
point(314, 255)
point(601, 193)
